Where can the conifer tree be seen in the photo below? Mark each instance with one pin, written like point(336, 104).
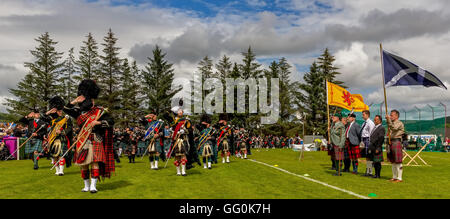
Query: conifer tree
point(41, 82)
point(110, 71)
point(88, 63)
point(158, 77)
point(67, 80)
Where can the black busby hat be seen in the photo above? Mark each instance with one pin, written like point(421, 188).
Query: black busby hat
point(56, 102)
point(89, 89)
point(223, 116)
point(205, 118)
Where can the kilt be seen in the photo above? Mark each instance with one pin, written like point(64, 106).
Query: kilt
point(142, 144)
point(378, 157)
point(206, 150)
point(54, 151)
point(353, 151)
point(395, 153)
point(98, 153)
point(167, 143)
point(338, 155)
point(155, 147)
point(33, 145)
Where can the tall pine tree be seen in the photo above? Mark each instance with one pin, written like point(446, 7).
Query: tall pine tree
point(110, 71)
point(88, 63)
point(41, 83)
point(129, 105)
point(68, 75)
point(158, 77)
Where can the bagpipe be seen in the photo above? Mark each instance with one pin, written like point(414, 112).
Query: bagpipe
point(223, 135)
point(151, 130)
point(204, 137)
point(52, 136)
point(83, 136)
point(176, 137)
point(151, 133)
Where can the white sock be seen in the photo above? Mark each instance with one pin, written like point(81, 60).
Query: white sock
point(61, 169)
point(204, 166)
point(183, 169)
point(178, 170)
point(394, 171)
point(399, 171)
point(228, 159)
point(93, 184)
point(87, 185)
point(57, 169)
point(152, 166)
point(223, 159)
point(156, 164)
point(209, 164)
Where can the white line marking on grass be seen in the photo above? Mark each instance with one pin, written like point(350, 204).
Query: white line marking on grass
point(312, 180)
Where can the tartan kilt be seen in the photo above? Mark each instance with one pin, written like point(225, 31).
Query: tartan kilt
point(338, 155)
point(378, 157)
point(353, 151)
point(142, 144)
point(33, 145)
point(63, 149)
point(99, 152)
point(395, 153)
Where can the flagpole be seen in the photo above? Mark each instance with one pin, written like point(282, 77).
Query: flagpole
point(384, 88)
point(328, 115)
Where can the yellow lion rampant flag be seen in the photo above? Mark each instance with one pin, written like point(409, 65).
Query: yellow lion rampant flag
point(338, 96)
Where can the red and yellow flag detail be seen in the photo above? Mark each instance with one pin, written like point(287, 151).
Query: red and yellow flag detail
point(338, 96)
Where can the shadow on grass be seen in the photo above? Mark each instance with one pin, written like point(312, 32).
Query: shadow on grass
point(114, 185)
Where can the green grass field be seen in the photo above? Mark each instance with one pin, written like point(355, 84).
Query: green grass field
point(241, 179)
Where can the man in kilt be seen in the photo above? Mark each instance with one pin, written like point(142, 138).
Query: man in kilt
point(376, 145)
point(395, 152)
point(59, 133)
point(366, 129)
point(346, 157)
point(223, 142)
point(95, 148)
point(337, 137)
point(154, 137)
point(36, 131)
point(205, 141)
point(353, 139)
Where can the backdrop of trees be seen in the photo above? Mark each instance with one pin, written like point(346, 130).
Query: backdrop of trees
point(129, 92)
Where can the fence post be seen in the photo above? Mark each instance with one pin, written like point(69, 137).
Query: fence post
point(445, 123)
point(420, 128)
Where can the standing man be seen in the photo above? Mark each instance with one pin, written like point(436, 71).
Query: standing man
point(154, 134)
point(346, 157)
point(36, 131)
point(395, 152)
point(96, 148)
point(353, 138)
point(60, 133)
point(337, 135)
point(366, 129)
point(376, 145)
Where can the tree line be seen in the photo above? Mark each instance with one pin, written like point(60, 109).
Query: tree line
point(130, 92)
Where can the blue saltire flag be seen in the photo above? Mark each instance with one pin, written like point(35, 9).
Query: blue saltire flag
point(401, 72)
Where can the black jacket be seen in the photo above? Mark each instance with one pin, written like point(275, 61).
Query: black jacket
point(377, 139)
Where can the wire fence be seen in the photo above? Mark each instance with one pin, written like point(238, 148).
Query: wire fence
point(422, 124)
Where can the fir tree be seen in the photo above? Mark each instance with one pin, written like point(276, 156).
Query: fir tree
point(249, 68)
point(110, 71)
point(158, 77)
point(129, 95)
point(89, 62)
point(67, 78)
point(41, 83)
point(224, 68)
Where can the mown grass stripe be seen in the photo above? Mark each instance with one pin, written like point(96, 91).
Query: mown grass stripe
point(312, 180)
